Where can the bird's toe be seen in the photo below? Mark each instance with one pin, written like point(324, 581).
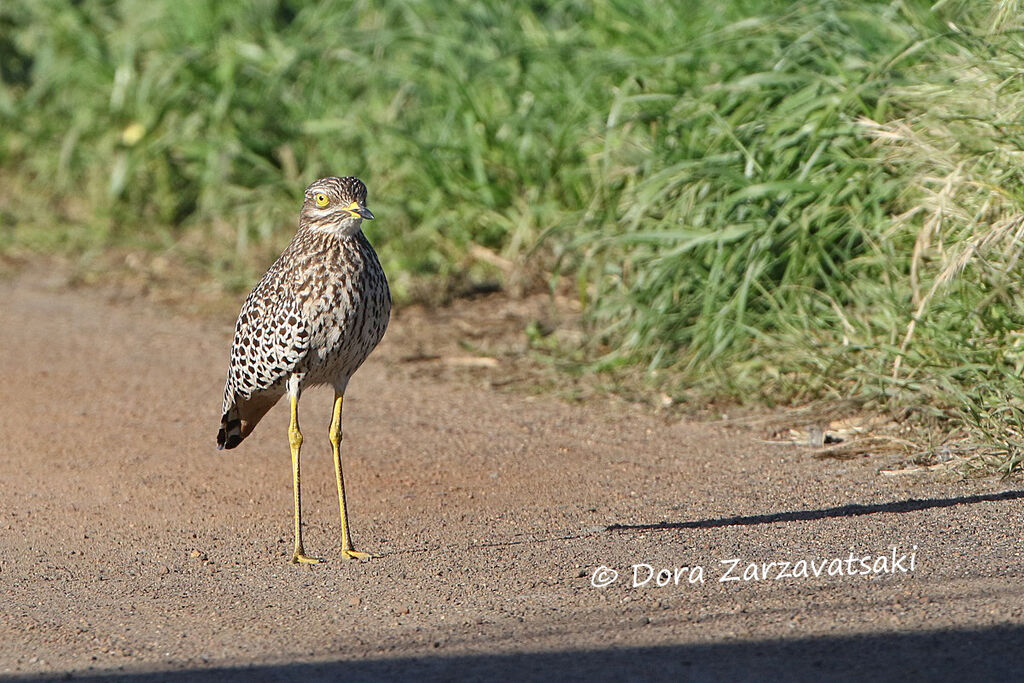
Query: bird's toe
point(302, 558)
point(357, 555)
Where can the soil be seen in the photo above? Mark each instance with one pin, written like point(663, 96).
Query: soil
point(131, 548)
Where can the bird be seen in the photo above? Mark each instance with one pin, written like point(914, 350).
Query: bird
point(314, 317)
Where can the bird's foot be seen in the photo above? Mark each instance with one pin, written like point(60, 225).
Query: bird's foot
point(356, 555)
point(300, 557)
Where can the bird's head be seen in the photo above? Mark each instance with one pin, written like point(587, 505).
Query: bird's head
point(336, 205)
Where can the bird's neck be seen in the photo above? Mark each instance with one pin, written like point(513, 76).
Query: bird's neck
point(343, 230)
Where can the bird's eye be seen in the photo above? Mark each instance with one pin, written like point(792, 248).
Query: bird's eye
point(320, 198)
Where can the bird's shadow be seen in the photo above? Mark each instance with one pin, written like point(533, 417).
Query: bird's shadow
point(849, 510)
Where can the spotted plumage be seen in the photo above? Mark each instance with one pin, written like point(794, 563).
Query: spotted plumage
point(314, 317)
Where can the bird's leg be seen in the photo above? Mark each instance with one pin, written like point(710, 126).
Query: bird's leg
point(295, 441)
point(346, 541)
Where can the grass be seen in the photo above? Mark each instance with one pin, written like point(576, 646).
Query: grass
point(768, 201)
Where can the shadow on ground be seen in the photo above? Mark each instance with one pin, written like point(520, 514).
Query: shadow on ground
point(977, 654)
point(850, 510)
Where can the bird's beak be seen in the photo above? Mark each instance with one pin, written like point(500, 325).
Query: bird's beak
point(360, 211)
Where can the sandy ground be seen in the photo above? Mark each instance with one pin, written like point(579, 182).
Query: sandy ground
point(131, 548)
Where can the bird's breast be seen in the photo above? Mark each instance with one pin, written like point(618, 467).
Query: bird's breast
point(349, 306)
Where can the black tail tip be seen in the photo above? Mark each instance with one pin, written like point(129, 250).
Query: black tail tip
point(227, 441)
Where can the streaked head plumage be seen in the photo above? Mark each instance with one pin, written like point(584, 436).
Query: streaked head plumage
point(335, 204)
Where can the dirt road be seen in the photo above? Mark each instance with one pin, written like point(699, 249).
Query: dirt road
point(129, 545)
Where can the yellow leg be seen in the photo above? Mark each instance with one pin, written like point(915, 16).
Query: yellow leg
point(295, 441)
point(346, 542)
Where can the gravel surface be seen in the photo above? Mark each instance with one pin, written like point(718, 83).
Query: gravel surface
point(131, 548)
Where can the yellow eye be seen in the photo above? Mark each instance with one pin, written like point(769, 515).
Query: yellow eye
point(321, 199)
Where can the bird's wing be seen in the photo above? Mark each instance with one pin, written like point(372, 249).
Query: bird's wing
point(271, 340)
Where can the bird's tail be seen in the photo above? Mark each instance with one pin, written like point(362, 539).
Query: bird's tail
point(230, 433)
point(241, 417)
